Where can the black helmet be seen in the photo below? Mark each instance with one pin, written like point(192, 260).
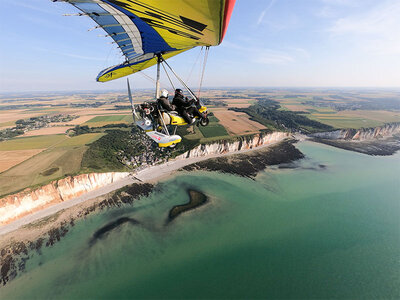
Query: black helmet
point(178, 91)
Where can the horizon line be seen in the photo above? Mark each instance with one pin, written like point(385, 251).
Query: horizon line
point(209, 88)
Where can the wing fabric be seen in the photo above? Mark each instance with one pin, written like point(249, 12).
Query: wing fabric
point(144, 28)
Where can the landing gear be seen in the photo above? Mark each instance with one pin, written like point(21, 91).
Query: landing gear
point(204, 121)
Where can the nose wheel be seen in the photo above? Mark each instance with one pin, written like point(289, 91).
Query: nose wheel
point(204, 121)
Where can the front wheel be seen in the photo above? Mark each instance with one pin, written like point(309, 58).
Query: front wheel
point(204, 121)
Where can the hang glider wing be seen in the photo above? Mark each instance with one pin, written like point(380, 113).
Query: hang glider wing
point(145, 28)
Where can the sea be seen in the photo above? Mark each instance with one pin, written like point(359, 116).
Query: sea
point(326, 226)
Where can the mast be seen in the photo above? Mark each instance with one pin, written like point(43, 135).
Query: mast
point(159, 59)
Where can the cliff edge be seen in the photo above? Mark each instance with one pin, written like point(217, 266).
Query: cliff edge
point(28, 201)
point(382, 140)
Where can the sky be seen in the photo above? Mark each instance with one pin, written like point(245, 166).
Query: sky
point(269, 43)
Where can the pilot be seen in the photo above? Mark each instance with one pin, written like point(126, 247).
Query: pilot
point(164, 102)
point(185, 107)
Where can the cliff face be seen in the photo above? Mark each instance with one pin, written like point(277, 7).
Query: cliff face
point(18, 205)
point(241, 144)
point(364, 134)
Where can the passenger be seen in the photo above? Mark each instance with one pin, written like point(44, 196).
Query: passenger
point(164, 102)
point(185, 107)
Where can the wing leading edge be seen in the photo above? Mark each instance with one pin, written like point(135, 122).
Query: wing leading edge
point(143, 29)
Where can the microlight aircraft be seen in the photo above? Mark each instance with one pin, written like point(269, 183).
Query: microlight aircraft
point(148, 32)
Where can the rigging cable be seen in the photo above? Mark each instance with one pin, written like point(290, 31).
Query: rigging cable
point(148, 77)
point(194, 65)
point(204, 68)
point(168, 76)
point(181, 81)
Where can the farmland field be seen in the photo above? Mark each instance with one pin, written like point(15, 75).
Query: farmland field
point(35, 142)
point(107, 118)
point(355, 119)
point(22, 165)
point(48, 131)
point(9, 159)
point(7, 124)
point(43, 154)
point(80, 140)
point(237, 123)
point(29, 172)
point(100, 121)
point(343, 122)
point(213, 130)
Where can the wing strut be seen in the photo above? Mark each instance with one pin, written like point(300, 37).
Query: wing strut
point(159, 60)
point(134, 114)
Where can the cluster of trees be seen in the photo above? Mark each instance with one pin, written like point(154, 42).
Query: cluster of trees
point(117, 147)
point(95, 104)
point(102, 154)
point(10, 133)
point(78, 130)
point(20, 106)
point(122, 107)
point(267, 112)
point(209, 102)
point(24, 125)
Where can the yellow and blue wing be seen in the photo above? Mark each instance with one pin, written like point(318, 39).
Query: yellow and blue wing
point(143, 29)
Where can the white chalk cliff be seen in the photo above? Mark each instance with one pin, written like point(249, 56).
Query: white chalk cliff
point(15, 206)
point(363, 134)
point(233, 146)
point(28, 201)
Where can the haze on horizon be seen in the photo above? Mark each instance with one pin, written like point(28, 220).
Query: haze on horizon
point(286, 43)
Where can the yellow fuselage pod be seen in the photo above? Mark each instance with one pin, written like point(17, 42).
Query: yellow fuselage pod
point(179, 121)
point(203, 109)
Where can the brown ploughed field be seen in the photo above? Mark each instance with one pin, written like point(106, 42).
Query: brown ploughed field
point(237, 123)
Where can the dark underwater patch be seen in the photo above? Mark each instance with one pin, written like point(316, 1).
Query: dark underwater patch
point(99, 234)
point(197, 199)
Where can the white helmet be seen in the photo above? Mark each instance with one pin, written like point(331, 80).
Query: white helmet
point(164, 93)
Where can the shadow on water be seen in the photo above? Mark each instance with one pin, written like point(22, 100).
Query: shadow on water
point(100, 233)
point(197, 199)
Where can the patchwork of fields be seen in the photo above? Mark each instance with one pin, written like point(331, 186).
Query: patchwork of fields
point(24, 161)
point(44, 154)
point(100, 121)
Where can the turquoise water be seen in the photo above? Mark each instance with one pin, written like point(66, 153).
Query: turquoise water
point(328, 228)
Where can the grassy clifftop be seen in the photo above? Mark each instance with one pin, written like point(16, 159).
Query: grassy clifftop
point(268, 113)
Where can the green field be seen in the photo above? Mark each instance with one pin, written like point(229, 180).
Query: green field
point(341, 122)
point(63, 157)
point(34, 142)
point(81, 140)
point(213, 130)
point(32, 172)
point(113, 118)
point(100, 121)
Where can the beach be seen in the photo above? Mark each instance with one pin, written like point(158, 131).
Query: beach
point(48, 226)
point(324, 226)
point(151, 174)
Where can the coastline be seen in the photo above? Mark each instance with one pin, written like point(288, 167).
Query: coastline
point(382, 147)
point(20, 245)
point(45, 228)
point(150, 175)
